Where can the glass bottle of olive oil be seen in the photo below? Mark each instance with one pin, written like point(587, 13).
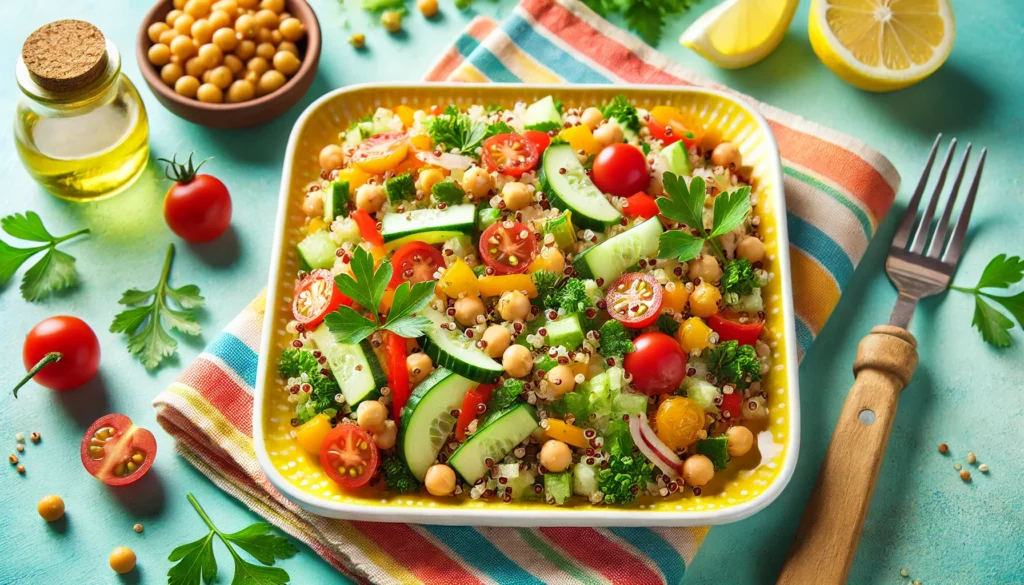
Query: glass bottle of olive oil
point(80, 125)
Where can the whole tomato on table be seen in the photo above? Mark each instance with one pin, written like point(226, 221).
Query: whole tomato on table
point(197, 207)
point(60, 353)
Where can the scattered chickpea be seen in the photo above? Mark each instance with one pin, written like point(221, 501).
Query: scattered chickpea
point(428, 8)
point(332, 157)
point(943, 448)
point(477, 182)
point(371, 415)
point(370, 197)
point(705, 267)
point(497, 339)
point(20, 448)
point(385, 438)
point(561, 380)
point(965, 475)
point(983, 468)
point(971, 457)
point(468, 309)
point(609, 133)
point(420, 366)
point(740, 440)
point(751, 249)
point(517, 361)
point(440, 480)
point(727, 155)
point(20, 437)
point(358, 40)
point(705, 300)
point(592, 118)
point(555, 456)
point(13, 459)
point(392, 20)
point(122, 560)
point(513, 306)
point(137, 528)
point(51, 508)
point(698, 470)
point(427, 179)
point(516, 195)
point(21, 469)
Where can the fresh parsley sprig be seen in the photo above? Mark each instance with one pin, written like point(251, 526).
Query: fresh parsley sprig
point(686, 205)
point(366, 286)
point(1001, 272)
point(455, 131)
point(195, 561)
point(645, 17)
point(144, 323)
point(53, 272)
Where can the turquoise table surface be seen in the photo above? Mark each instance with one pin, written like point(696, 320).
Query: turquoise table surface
point(965, 393)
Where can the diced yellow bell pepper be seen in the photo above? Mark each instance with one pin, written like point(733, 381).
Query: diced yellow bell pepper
point(355, 176)
point(493, 286)
point(459, 279)
point(550, 259)
point(311, 434)
point(421, 142)
point(565, 432)
point(406, 115)
point(386, 300)
point(581, 138)
point(316, 224)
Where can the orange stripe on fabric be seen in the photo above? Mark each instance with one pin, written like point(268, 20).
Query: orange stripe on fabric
point(445, 66)
point(222, 392)
point(815, 292)
point(602, 555)
point(480, 27)
point(424, 560)
point(838, 165)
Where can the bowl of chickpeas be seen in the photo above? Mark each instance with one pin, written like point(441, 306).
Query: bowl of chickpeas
point(229, 63)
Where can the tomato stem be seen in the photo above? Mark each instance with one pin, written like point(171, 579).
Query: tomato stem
point(182, 172)
point(53, 356)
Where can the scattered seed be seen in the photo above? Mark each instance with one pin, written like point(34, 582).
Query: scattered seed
point(983, 468)
point(943, 448)
point(965, 475)
point(35, 437)
point(13, 459)
point(20, 448)
point(957, 466)
point(21, 469)
point(904, 573)
point(915, 582)
point(971, 457)
point(20, 437)
point(137, 528)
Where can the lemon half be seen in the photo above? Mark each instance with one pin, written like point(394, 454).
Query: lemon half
point(882, 45)
point(738, 33)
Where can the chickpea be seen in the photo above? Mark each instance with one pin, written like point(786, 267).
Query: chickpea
point(51, 508)
point(313, 204)
point(210, 93)
point(253, 78)
point(706, 268)
point(332, 157)
point(195, 67)
point(258, 65)
point(183, 24)
point(240, 91)
point(198, 8)
point(497, 339)
point(225, 39)
point(265, 50)
point(292, 29)
point(187, 85)
point(698, 470)
point(246, 4)
point(420, 366)
point(561, 379)
point(477, 182)
point(468, 310)
point(517, 361)
point(178, 4)
point(182, 47)
point(727, 155)
point(167, 36)
point(159, 54)
point(427, 179)
point(609, 133)
point(211, 55)
point(202, 31)
point(358, 40)
point(156, 29)
point(122, 560)
point(245, 49)
point(392, 21)
point(591, 118)
point(513, 306)
point(705, 299)
point(268, 19)
point(234, 64)
point(386, 437)
point(288, 47)
point(555, 456)
point(219, 19)
point(173, 16)
point(221, 77)
point(370, 415)
point(270, 82)
point(275, 5)
point(246, 26)
point(370, 197)
point(205, 78)
point(171, 73)
point(286, 63)
point(740, 440)
point(276, 38)
point(440, 480)
point(428, 8)
point(516, 195)
point(750, 249)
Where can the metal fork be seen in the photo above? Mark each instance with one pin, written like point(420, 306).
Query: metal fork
point(921, 263)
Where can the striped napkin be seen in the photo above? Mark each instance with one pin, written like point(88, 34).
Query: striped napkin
point(837, 191)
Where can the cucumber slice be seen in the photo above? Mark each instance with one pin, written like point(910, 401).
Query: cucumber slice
point(427, 421)
point(425, 237)
point(557, 487)
point(400, 188)
point(574, 191)
point(457, 218)
point(566, 332)
point(486, 217)
point(584, 479)
point(561, 229)
point(677, 159)
point(455, 351)
point(355, 366)
point(336, 197)
point(717, 450)
point(543, 115)
point(702, 392)
point(609, 259)
point(317, 250)
point(629, 403)
point(494, 440)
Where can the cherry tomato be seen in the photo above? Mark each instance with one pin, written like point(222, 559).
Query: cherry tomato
point(197, 207)
point(415, 262)
point(367, 227)
point(677, 422)
point(670, 125)
point(539, 139)
point(635, 300)
point(472, 407)
point(640, 205)
point(60, 353)
point(315, 297)
point(117, 452)
point(398, 372)
point(733, 404)
point(728, 330)
point(349, 456)
point(510, 154)
point(621, 169)
point(508, 247)
point(381, 153)
point(658, 365)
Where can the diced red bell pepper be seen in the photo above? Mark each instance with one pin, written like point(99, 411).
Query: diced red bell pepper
point(398, 373)
point(471, 408)
point(733, 404)
point(640, 205)
point(742, 333)
point(368, 227)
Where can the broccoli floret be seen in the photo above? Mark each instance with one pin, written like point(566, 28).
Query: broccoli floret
point(320, 398)
point(400, 188)
point(623, 112)
point(739, 278)
point(545, 281)
point(667, 324)
point(448, 192)
point(503, 396)
point(397, 475)
point(615, 339)
point(293, 362)
point(571, 296)
point(730, 362)
point(627, 473)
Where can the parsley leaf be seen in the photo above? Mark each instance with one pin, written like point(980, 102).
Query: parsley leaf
point(679, 245)
point(645, 17)
point(148, 339)
point(623, 112)
point(497, 128)
point(731, 210)
point(55, 270)
point(456, 131)
point(615, 340)
point(685, 204)
point(993, 325)
point(739, 277)
point(1001, 272)
point(546, 283)
point(730, 362)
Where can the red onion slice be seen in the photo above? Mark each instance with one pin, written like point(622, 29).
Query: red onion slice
point(652, 447)
point(446, 161)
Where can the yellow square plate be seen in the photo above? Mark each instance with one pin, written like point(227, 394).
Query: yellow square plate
point(751, 483)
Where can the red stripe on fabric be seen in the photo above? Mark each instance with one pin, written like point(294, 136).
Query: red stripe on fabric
point(445, 66)
point(220, 390)
point(424, 560)
point(480, 27)
point(599, 553)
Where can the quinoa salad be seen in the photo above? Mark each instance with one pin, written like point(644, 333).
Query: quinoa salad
point(529, 303)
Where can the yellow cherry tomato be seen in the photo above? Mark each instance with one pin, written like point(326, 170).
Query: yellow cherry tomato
point(581, 138)
point(459, 279)
point(675, 297)
point(550, 259)
point(382, 152)
point(694, 334)
point(678, 421)
point(562, 431)
point(493, 286)
point(311, 434)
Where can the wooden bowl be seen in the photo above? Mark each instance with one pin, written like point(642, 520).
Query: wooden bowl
point(240, 115)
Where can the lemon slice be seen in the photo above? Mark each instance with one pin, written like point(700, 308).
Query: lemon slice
point(738, 33)
point(882, 45)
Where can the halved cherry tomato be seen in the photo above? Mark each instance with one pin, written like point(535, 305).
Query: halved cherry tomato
point(117, 452)
point(640, 205)
point(657, 365)
point(368, 227)
point(349, 456)
point(670, 125)
point(472, 408)
point(733, 404)
point(508, 247)
point(728, 330)
point(510, 154)
point(621, 169)
point(635, 300)
point(315, 297)
point(382, 152)
point(539, 139)
point(398, 372)
point(415, 262)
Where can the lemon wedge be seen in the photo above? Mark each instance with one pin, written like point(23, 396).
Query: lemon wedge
point(738, 33)
point(881, 45)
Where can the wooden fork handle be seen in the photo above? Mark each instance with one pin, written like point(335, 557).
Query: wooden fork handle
point(830, 530)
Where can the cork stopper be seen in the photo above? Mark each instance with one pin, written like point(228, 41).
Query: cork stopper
point(65, 55)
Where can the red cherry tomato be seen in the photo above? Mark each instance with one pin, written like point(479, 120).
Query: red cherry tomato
point(472, 408)
point(670, 125)
point(658, 365)
point(508, 247)
point(539, 139)
point(368, 227)
point(415, 262)
point(315, 297)
point(733, 404)
point(66, 351)
point(640, 205)
point(621, 169)
point(349, 456)
point(398, 372)
point(728, 330)
point(197, 207)
point(510, 154)
point(635, 300)
point(117, 452)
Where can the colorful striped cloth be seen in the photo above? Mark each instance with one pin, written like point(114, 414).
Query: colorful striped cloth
point(837, 191)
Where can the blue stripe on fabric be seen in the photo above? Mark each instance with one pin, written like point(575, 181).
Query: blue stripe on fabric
point(819, 246)
point(481, 552)
point(492, 67)
point(466, 44)
point(668, 559)
point(237, 356)
point(804, 336)
point(569, 68)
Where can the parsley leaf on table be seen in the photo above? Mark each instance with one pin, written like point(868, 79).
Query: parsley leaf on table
point(53, 272)
point(147, 337)
point(645, 17)
point(685, 204)
point(1001, 272)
